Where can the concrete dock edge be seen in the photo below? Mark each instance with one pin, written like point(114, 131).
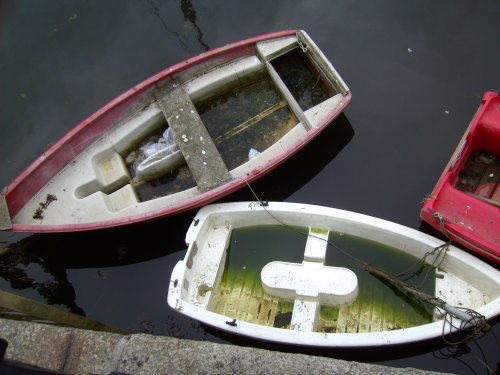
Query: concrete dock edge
point(76, 351)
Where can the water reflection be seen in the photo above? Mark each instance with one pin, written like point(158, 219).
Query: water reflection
point(190, 16)
point(56, 291)
point(190, 19)
point(28, 263)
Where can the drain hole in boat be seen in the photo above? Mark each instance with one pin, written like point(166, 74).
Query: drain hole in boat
point(203, 289)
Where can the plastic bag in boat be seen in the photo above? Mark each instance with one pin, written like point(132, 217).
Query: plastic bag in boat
point(155, 157)
point(252, 153)
point(167, 140)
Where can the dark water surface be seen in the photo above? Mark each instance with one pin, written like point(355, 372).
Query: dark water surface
point(417, 71)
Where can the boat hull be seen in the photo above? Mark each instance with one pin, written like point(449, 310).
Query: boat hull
point(29, 195)
point(465, 203)
point(194, 292)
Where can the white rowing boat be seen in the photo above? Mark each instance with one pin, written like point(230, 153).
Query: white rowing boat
point(316, 276)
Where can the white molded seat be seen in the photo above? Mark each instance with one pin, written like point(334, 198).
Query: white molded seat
point(333, 286)
point(310, 285)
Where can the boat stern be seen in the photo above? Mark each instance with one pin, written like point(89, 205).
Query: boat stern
point(5, 222)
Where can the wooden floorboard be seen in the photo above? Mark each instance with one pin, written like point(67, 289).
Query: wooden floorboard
point(249, 303)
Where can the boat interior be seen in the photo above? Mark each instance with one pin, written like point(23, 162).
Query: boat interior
point(228, 271)
point(480, 176)
point(226, 122)
point(479, 173)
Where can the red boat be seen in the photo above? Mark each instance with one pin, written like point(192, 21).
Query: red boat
point(465, 203)
point(187, 136)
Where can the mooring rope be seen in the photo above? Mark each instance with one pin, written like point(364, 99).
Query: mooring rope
point(441, 221)
point(472, 323)
point(468, 330)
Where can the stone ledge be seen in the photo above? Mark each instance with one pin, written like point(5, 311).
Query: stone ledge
point(76, 351)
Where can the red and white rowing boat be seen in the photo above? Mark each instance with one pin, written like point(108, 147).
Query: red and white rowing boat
point(185, 137)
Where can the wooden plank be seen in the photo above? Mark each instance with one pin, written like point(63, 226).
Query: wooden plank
point(287, 95)
point(354, 313)
point(343, 319)
point(254, 296)
point(272, 313)
point(220, 305)
point(376, 322)
point(264, 316)
point(246, 305)
point(200, 152)
point(243, 126)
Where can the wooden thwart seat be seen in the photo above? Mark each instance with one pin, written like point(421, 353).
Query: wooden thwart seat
point(200, 152)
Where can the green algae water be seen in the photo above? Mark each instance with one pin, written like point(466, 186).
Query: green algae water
point(241, 295)
point(379, 306)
